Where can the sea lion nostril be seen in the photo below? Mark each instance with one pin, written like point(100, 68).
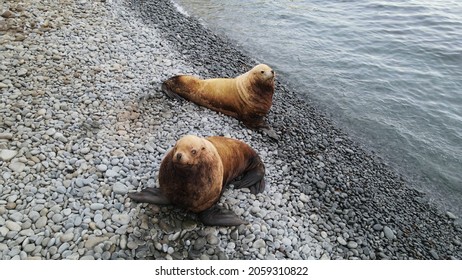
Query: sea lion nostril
point(178, 156)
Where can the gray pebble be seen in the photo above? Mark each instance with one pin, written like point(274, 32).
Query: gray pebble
point(388, 232)
point(63, 247)
point(259, 243)
point(200, 243)
point(96, 206)
point(377, 227)
point(231, 245)
point(7, 155)
point(122, 219)
point(341, 241)
point(111, 173)
point(102, 167)
point(98, 218)
point(132, 245)
point(27, 232)
point(13, 226)
point(212, 239)
point(17, 166)
point(29, 248)
point(57, 218)
point(67, 237)
point(352, 245)
point(51, 131)
point(77, 221)
point(119, 188)
point(17, 216)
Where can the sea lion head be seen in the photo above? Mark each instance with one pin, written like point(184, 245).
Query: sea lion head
point(189, 150)
point(263, 73)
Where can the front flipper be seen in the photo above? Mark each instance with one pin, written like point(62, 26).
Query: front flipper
point(216, 216)
point(149, 195)
point(259, 123)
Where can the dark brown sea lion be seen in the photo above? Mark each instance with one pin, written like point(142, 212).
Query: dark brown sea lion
point(193, 174)
point(247, 97)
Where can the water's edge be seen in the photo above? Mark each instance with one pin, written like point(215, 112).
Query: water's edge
point(444, 193)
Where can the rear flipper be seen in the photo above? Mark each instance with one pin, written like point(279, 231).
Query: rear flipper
point(216, 216)
point(149, 195)
point(254, 178)
point(170, 93)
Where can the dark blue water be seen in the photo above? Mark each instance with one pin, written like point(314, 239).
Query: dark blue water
point(390, 72)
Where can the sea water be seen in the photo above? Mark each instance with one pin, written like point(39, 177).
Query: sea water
point(388, 72)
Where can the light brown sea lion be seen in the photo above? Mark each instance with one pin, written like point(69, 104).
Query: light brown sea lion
point(247, 97)
point(194, 173)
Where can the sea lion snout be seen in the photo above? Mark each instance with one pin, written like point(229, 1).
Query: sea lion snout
point(264, 72)
point(181, 158)
point(186, 151)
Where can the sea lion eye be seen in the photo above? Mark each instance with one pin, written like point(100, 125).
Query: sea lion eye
point(262, 71)
point(193, 152)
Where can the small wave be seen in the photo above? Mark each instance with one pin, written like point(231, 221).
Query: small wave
point(180, 9)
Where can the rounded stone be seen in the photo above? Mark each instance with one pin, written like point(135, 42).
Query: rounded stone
point(67, 237)
point(102, 167)
point(122, 219)
point(120, 188)
point(212, 239)
point(41, 222)
point(17, 166)
point(13, 226)
point(388, 232)
point(341, 241)
point(352, 245)
point(111, 173)
point(259, 243)
point(377, 227)
point(96, 206)
point(7, 155)
point(57, 218)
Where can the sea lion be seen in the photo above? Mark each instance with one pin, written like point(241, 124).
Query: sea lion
point(194, 173)
point(247, 97)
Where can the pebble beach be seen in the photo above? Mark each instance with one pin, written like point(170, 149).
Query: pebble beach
point(83, 122)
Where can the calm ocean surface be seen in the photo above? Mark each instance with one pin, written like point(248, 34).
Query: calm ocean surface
point(390, 72)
